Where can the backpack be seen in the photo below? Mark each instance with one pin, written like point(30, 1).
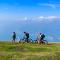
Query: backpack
point(43, 36)
point(27, 34)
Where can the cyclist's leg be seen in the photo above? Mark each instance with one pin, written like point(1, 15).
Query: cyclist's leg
point(26, 40)
point(13, 41)
point(37, 41)
point(41, 40)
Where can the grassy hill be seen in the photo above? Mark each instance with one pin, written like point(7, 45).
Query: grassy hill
point(29, 51)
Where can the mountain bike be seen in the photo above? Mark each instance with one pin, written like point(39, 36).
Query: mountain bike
point(24, 40)
point(41, 41)
point(44, 42)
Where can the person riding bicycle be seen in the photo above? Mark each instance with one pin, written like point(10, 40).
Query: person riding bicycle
point(39, 37)
point(26, 36)
point(42, 37)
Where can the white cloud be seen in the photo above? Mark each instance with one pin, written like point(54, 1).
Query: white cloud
point(49, 5)
point(48, 18)
point(43, 18)
point(25, 18)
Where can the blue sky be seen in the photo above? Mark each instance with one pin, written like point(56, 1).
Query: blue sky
point(30, 15)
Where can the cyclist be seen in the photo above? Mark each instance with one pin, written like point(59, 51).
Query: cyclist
point(26, 36)
point(14, 37)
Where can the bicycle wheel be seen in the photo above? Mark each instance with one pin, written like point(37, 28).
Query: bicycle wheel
point(45, 41)
point(30, 40)
point(22, 40)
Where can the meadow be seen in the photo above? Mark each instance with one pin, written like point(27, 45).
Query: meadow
point(29, 51)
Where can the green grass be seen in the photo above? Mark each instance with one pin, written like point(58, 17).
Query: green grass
point(29, 51)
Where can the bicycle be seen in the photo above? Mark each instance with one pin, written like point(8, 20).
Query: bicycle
point(24, 40)
point(42, 41)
